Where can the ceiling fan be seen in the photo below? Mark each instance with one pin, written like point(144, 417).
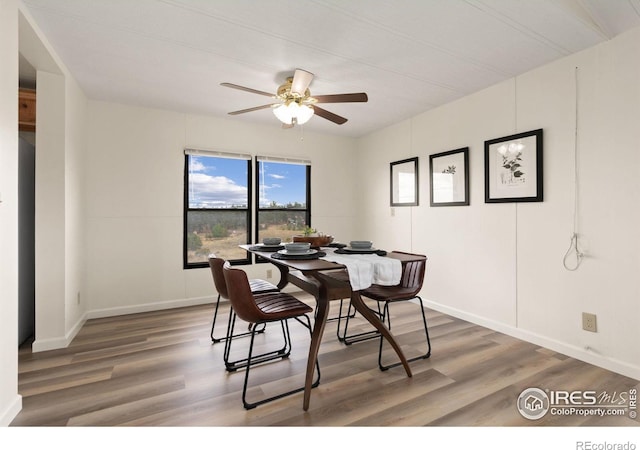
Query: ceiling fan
point(294, 103)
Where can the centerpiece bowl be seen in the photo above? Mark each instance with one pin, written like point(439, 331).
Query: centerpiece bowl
point(315, 241)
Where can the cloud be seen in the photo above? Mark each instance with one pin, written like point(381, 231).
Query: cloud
point(215, 192)
point(195, 165)
point(276, 176)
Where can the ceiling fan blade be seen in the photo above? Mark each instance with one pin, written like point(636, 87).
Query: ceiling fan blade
point(255, 108)
point(328, 115)
point(301, 81)
point(246, 89)
point(342, 98)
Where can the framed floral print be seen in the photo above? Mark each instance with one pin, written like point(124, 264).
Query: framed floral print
point(450, 178)
point(513, 168)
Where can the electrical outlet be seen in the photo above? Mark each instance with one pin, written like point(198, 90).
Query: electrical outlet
point(589, 322)
point(269, 273)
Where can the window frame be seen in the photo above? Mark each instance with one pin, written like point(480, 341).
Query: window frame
point(186, 209)
point(258, 209)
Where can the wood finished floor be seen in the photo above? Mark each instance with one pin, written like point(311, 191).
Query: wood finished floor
point(160, 369)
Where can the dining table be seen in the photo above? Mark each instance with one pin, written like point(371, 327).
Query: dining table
point(327, 279)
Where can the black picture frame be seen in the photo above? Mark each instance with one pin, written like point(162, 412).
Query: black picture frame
point(404, 182)
point(513, 170)
point(449, 178)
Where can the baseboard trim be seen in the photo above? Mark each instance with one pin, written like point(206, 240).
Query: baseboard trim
point(11, 411)
point(148, 307)
point(614, 365)
point(42, 345)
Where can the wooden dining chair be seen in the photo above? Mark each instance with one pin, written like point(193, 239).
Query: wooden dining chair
point(411, 283)
point(258, 286)
point(264, 309)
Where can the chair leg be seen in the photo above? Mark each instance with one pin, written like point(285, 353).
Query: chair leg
point(339, 316)
point(251, 361)
point(213, 325)
point(348, 340)
point(308, 326)
point(214, 339)
point(426, 332)
point(341, 338)
point(280, 353)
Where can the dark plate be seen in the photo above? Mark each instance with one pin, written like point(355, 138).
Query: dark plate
point(266, 248)
point(313, 255)
point(349, 251)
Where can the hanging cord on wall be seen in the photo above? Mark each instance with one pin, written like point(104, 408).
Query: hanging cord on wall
point(574, 248)
point(515, 206)
point(417, 175)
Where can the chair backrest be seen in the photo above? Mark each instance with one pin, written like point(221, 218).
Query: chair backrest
point(240, 296)
point(216, 264)
point(413, 272)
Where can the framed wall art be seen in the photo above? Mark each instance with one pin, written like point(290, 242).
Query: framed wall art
point(513, 168)
point(404, 182)
point(449, 178)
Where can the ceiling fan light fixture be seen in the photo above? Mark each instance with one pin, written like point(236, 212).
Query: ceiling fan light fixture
point(294, 104)
point(305, 113)
point(293, 113)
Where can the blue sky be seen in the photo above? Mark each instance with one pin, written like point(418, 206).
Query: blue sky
point(282, 183)
point(222, 182)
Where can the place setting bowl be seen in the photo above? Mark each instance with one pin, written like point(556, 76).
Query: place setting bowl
point(298, 250)
point(360, 245)
point(297, 247)
point(269, 244)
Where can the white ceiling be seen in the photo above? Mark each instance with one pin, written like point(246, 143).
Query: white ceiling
point(408, 55)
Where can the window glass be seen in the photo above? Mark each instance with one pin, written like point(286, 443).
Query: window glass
point(217, 199)
point(283, 199)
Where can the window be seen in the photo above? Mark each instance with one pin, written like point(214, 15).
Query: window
point(283, 191)
point(217, 201)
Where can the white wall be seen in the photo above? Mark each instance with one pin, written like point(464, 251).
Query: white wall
point(50, 209)
point(76, 109)
point(10, 401)
point(134, 199)
point(59, 221)
point(60, 140)
point(501, 264)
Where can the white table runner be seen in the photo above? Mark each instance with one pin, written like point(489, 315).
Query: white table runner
point(365, 270)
